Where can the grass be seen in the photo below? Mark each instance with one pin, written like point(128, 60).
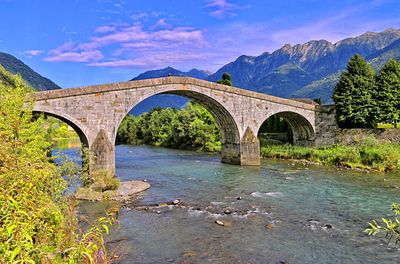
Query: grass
point(367, 155)
point(386, 126)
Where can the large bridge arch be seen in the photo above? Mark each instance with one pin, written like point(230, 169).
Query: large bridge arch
point(230, 134)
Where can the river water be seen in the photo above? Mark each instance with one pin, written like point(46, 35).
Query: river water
point(285, 213)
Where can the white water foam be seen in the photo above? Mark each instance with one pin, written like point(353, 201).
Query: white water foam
point(267, 194)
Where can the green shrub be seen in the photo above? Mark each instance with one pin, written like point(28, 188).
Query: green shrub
point(37, 222)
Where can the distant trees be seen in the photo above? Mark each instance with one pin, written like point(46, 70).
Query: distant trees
point(226, 79)
point(362, 99)
point(192, 127)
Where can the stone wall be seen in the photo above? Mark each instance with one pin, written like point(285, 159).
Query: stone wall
point(328, 133)
point(354, 135)
point(325, 125)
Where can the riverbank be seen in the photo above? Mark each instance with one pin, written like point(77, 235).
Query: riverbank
point(383, 157)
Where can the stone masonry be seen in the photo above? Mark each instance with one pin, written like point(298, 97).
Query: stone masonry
point(95, 112)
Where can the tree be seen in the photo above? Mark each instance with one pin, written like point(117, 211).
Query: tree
point(37, 222)
point(226, 79)
point(353, 95)
point(387, 93)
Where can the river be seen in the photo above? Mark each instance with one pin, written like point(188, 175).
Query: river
point(286, 213)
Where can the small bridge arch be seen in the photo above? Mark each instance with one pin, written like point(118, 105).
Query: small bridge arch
point(303, 131)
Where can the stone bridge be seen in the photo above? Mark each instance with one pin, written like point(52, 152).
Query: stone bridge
point(95, 112)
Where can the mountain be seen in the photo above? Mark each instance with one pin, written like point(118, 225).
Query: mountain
point(324, 87)
point(308, 70)
point(169, 71)
point(165, 100)
point(311, 69)
point(37, 81)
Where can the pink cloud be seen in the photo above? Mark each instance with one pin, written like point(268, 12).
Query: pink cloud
point(66, 47)
point(152, 60)
point(32, 53)
point(84, 56)
point(221, 8)
point(104, 29)
point(128, 44)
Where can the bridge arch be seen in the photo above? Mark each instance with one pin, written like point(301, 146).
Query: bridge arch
point(69, 121)
point(302, 130)
point(230, 135)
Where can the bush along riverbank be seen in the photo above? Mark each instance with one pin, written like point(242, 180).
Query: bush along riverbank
point(370, 154)
point(38, 222)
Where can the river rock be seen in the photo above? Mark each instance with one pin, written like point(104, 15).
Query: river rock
point(328, 226)
point(239, 198)
point(175, 202)
point(123, 193)
point(269, 226)
point(220, 223)
point(227, 211)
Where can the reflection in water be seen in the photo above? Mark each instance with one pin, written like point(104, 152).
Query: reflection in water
point(67, 143)
point(278, 212)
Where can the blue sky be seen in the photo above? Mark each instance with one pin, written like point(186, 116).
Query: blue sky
point(87, 42)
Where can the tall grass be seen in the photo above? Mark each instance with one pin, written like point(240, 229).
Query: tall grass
point(369, 154)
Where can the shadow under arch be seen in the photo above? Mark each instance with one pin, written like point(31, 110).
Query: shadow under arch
point(230, 137)
point(83, 138)
point(303, 133)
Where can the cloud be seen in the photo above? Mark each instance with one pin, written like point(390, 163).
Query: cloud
point(221, 8)
point(84, 56)
point(345, 23)
point(33, 53)
point(104, 29)
point(153, 60)
point(131, 45)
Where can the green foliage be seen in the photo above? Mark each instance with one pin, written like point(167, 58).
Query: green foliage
point(318, 100)
point(192, 127)
point(365, 155)
point(363, 99)
point(274, 124)
point(37, 222)
point(104, 181)
point(387, 94)
point(353, 95)
point(390, 227)
point(226, 79)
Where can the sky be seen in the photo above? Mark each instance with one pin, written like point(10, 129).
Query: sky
point(85, 42)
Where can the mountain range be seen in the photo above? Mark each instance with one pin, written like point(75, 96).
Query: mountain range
point(308, 70)
point(34, 79)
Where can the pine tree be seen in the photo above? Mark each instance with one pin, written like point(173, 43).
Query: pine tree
point(353, 95)
point(387, 94)
point(226, 79)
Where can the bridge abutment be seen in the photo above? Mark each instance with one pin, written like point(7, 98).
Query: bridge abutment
point(102, 154)
point(249, 149)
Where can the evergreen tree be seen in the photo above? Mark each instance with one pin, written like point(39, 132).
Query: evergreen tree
point(353, 95)
point(226, 79)
point(387, 94)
